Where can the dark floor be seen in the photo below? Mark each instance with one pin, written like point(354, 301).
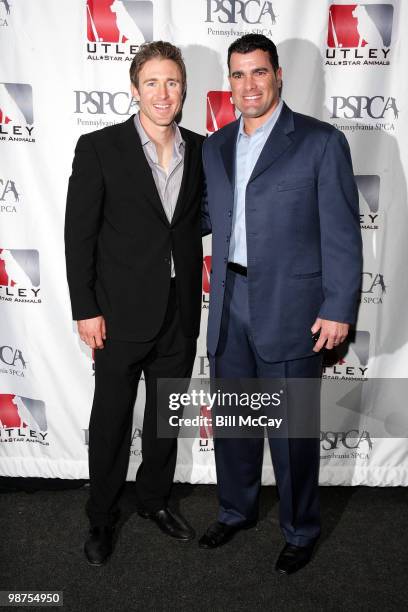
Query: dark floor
point(361, 562)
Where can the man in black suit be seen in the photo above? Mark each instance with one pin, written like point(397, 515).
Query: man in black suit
point(134, 258)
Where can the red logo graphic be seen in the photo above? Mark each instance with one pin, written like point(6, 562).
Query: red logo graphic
point(206, 273)
point(119, 21)
point(19, 267)
point(19, 411)
point(3, 117)
point(206, 430)
point(16, 103)
point(220, 110)
point(358, 25)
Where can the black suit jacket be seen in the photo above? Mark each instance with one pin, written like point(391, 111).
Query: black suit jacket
point(118, 239)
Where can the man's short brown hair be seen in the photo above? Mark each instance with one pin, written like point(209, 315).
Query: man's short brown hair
point(157, 49)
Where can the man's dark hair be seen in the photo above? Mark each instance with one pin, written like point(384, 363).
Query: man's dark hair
point(252, 42)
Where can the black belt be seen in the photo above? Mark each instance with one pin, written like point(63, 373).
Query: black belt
point(234, 267)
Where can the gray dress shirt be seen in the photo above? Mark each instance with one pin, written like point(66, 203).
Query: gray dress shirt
point(167, 184)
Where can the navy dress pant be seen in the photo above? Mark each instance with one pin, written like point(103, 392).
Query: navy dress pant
point(239, 461)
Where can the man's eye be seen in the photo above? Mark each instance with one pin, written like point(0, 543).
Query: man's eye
point(260, 72)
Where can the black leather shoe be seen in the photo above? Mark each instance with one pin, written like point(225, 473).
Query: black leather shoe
point(98, 546)
point(293, 558)
point(171, 523)
point(220, 533)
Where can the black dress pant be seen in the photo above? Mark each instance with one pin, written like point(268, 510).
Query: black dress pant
point(117, 372)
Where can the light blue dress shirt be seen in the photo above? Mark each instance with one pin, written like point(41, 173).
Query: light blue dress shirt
point(248, 150)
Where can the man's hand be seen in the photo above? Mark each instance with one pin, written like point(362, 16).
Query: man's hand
point(332, 333)
point(92, 332)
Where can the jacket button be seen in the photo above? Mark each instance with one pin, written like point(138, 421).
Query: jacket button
point(230, 213)
point(223, 283)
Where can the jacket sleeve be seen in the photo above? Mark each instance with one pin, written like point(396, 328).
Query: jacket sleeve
point(341, 243)
point(82, 224)
point(205, 215)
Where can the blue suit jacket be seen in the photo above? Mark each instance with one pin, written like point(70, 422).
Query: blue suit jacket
point(303, 233)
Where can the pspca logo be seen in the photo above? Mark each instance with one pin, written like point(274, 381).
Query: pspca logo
point(135, 443)
point(16, 112)
point(369, 113)
point(116, 28)
point(352, 444)
point(22, 419)
point(359, 34)
point(373, 288)
point(206, 281)
point(220, 110)
point(19, 276)
point(257, 15)
point(9, 195)
point(12, 361)
point(349, 360)
point(201, 367)
point(369, 197)
point(111, 107)
point(5, 13)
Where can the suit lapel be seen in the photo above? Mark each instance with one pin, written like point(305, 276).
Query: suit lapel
point(186, 175)
point(277, 143)
point(227, 150)
point(135, 162)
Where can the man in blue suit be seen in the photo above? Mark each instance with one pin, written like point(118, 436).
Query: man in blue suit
point(282, 206)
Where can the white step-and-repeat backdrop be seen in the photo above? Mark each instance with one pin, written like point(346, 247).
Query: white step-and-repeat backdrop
point(64, 71)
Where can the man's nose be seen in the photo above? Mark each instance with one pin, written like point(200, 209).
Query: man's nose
point(249, 82)
point(163, 90)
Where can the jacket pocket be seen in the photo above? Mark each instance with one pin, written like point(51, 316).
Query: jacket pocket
point(308, 275)
point(295, 184)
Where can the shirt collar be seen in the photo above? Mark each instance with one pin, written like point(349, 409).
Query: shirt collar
point(144, 138)
point(266, 127)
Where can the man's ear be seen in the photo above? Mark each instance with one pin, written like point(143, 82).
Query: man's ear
point(229, 81)
point(134, 92)
point(279, 77)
